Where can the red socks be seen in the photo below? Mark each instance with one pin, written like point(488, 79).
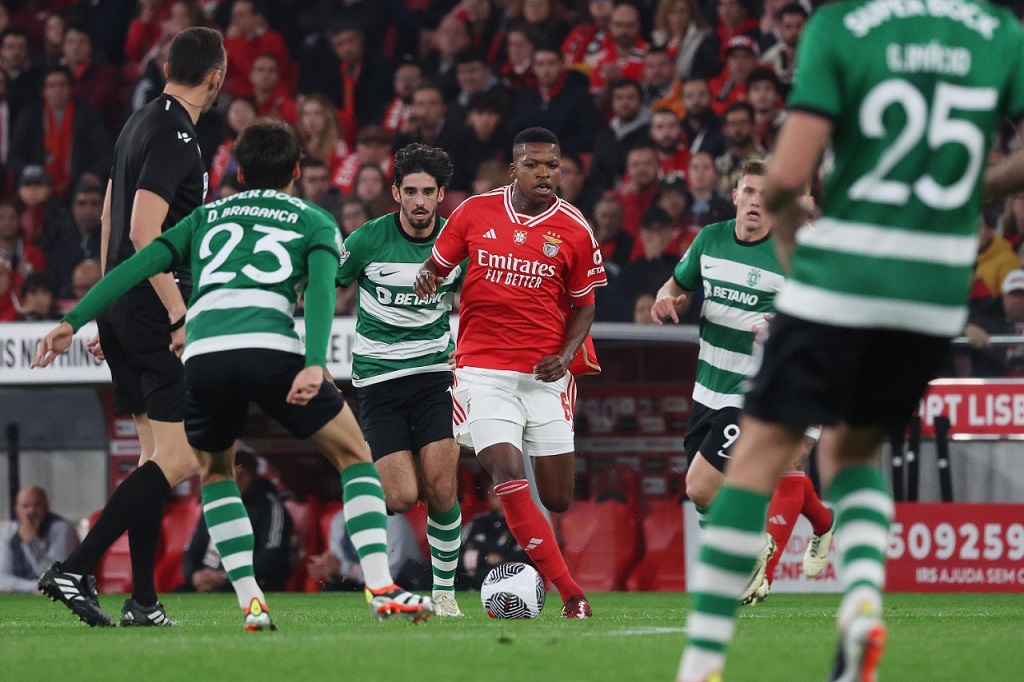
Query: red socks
point(534, 534)
point(817, 513)
point(783, 513)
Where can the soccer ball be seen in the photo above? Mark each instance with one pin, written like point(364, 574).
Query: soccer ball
point(513, 590)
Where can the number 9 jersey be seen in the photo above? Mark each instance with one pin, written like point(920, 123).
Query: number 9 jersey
point(914, 90)
point(249, 256)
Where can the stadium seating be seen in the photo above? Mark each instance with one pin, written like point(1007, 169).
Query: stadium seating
point(114, 572)
point(600, 543)
point(305, 516)
point(663, 566)
point(180, 520)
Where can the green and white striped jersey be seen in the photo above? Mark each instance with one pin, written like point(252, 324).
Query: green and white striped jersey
point(397, 334)
point(249, 263)
point(740, 280)
point(915, 90)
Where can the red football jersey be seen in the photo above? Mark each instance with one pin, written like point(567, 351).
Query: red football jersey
point(523, 272)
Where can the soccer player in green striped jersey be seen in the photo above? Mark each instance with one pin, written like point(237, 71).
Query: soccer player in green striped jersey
point(253, 255)
point(400, 357)
point(909, 94)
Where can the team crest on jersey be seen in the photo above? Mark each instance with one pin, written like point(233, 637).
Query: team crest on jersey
point(551, 242)
point(343, 253)
point(753, 277)
point(520, 237)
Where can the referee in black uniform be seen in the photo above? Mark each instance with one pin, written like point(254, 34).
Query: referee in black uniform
point(157, 179)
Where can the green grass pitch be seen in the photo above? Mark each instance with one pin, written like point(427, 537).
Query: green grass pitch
point(633, 637)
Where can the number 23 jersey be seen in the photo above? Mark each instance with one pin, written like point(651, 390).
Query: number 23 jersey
point(522, 274)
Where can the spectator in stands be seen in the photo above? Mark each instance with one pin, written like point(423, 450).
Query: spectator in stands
point(639, 187)
point(315, 185)
point(1010, 225)
point(517, 69)
point(371, 188)
point(675, 199)
point(151, 81)
point(474, 75)
point(272, 529)
point(702, 128)
point(373, 147)
point(730, 86)
point(84, 278)
point(86, 212)
point(338, 567)
point(741, 145)
point(621, 55)
point(318, 132)
point(483, 138)
point(31, 541)
point(10, 307)
point(544, 19)
point(247, 37)
point(781, 57)
point(483, 22)
point(570, 188)
point(486, 542)
point(642, 305)
point(587, 37)
point(145, 31)
point(38, 298)
point(763, 93)
point(996, 257)
point(64, 134)
point(611, 305)
point(768, 23)
point(1002, 317)
point(53, 40)
point(94, 80)
point(407, 79)
point(490, 175)
point(24, 80)
point(709, 206)
point(667, 137)
point(348, 74)
point(450, 38)
point(659, 79)
point(735, 19)
point(628, 128)
point(353, 214)
point(647, 273)
point(19, 256)
point(271, 94)
point(240, 115)
point(560, 102)
point(681, 28)
point(428, 120)
point(45, 223)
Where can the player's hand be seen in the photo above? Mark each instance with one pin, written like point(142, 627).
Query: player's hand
point(321, 566)
point(425, 284)
point(53, 344)
point(178, 341)
point(451, 360)
point(306, 385)
point(95, 349)
point(551, 368)
point(761, 330)
point(666, 308)
point(977, 337)
point(784, 248)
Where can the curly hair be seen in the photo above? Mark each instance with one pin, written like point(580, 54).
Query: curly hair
point(421, 158)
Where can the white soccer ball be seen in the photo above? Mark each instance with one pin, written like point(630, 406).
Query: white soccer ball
point(513, 590)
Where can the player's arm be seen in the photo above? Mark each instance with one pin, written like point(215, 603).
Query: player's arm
point(671, 302)
point(149, 210)
point(449, 250)
point(105, 227)
point(801, 142)
point(157, 257)
point(319, 300)
point(554, 367)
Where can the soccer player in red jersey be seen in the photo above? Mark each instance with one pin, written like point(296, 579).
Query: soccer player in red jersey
point(527, 306)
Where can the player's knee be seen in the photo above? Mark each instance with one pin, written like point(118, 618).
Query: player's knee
point(557, 501)
point(700, 491)
point(441, 494)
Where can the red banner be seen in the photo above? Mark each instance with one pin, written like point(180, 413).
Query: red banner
point(956, 548)
point(975, 407)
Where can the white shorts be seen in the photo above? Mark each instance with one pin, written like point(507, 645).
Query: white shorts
point(500, 406)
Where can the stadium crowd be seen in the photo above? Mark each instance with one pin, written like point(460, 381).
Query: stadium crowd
point(657, 103)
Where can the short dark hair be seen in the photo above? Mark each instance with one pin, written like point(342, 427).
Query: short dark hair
point(345, 25)
point(485, 100)
point(471, 54)
point(195, 52)
point(535, 134)
point(34, 281)
point(57, 68)
point(311, 162)
point(267, 152)
point(620, 83)
point(792, 8)
point(753, 167)
point(13, 31)
point(421, 158)
point(78, 27)
point(741, 105)
point(763, 74)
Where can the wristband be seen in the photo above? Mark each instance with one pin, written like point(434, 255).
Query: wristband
point(175, 326)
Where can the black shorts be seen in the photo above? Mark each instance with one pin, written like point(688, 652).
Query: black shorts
point(814, 373)
point(220, 386)
point(406, 413)
point(711, 433)
point(148, 378)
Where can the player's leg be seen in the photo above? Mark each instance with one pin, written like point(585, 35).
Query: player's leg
point(822, 519)
point(439, 460)
point(398, 477)
point(703, 481)
point(783, 513)
point(555, 476)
